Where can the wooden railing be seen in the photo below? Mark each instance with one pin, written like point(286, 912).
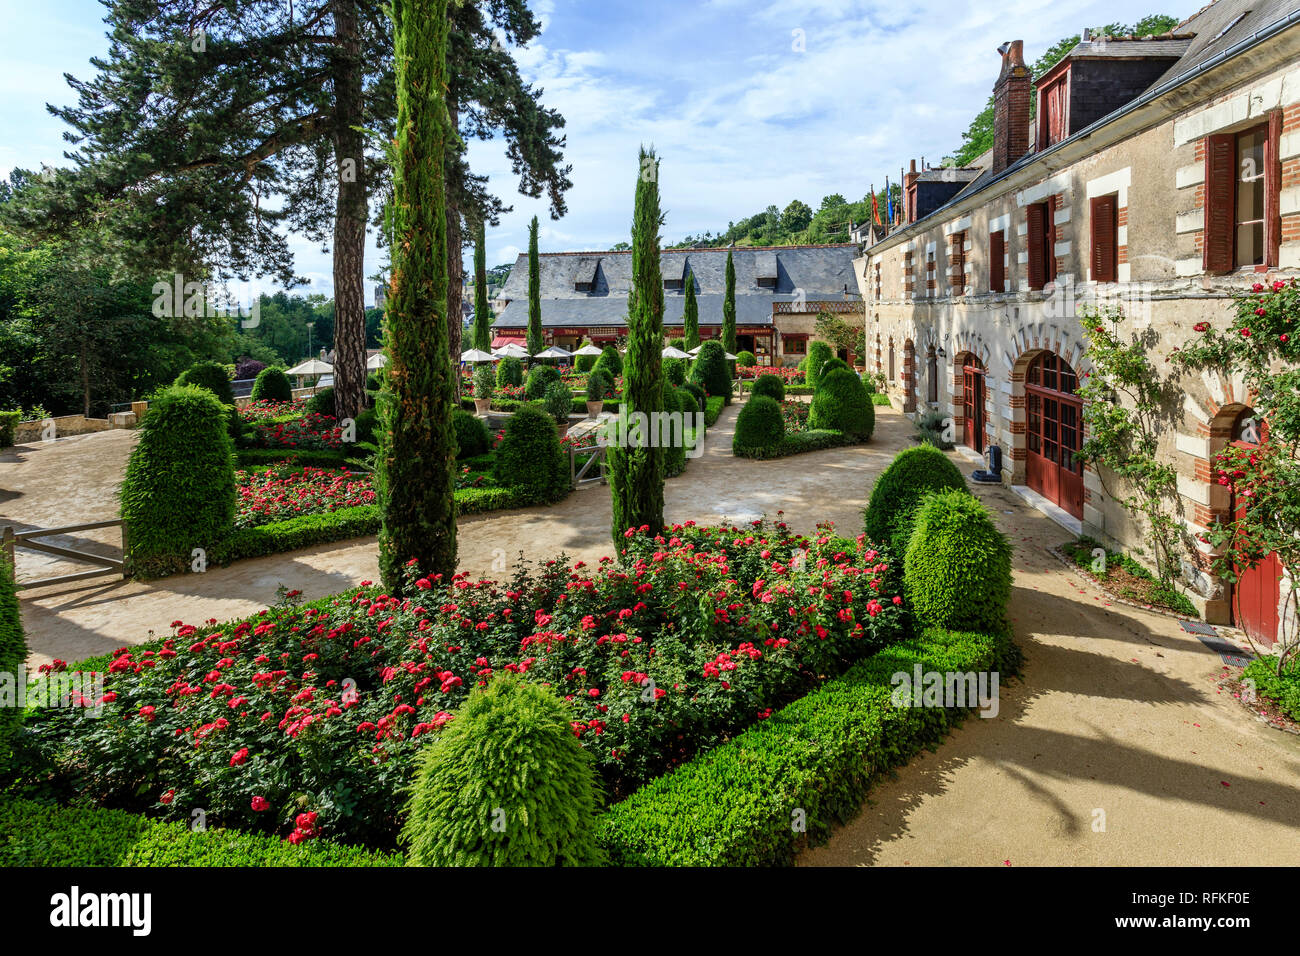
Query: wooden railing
point(10, 539)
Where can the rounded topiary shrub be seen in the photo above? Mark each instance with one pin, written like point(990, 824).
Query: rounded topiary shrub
point(613, 361)
point(675, 371)
point(506, 783)
point(13, 653)
point(272, 385)
point(675, 452)
point(539, 378)
point(759, 425)
point(209, 375)
point(957, 573)
point(510, 371)
point(472, 437)
point(842, 404)
point(746, 359)
point(696, 393)
point(179, 489)
point(583, 363)
point(322, 403)
point(819, 353)
point(831, 365)
point(912, 473)
point(709, 370)
point(529, 459)
point(599, 384)
point(768, 385)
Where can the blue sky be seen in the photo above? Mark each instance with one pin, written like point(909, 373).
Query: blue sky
point(750, 103)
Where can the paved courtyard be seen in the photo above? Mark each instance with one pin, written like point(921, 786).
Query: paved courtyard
point(1116, 718)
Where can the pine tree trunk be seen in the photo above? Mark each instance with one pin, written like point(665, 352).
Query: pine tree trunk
point(350, 215)
point(415, 470)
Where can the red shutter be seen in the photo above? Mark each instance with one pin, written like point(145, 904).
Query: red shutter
point(997, 257)
point(1104, 246)
point(1037, 234)
point(1272, 190)
point(1220, 194)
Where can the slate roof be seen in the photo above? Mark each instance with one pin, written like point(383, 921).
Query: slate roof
point(819, 272)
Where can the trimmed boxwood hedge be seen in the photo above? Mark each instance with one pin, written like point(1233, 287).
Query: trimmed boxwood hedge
point(713, 407)
point(8, 426)
point(529, 460)
point(769, 385)
point(13, 652)
point(209, 375)
point(957, 572)
point(322, 403)
point(36, 834)
point(734, 805)
point(709, 370)
point(759, 425)
point(510, 371)
point(797, 444)
point(179, 489)
point(912, 473)
point(539, 378)
point(841, 403)
point(819, 353)
point(303, 458)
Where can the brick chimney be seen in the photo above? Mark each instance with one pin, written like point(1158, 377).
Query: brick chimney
point(1011, 107)
point(909, 194)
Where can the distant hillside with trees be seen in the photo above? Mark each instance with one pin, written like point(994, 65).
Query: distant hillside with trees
point(796, 224)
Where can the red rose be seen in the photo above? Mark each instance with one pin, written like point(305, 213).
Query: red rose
point(240, 757)
point(260, 804)
point(167, 797)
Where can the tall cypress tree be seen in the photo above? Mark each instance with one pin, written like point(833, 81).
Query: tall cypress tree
point(482, 311)
point(415, 470)
point(535, 341)
point(729, 308)
point(636, 474)
point(690, 316)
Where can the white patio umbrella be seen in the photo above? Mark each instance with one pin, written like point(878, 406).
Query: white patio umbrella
point(311, 367)
point(672, 351)
point(376, 361)
point(590, 349)
point(477, 355)
point(554, 352)
point(511, 351)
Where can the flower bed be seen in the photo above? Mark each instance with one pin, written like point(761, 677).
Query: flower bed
point(789, 375)
point(309, 431)
point(323, 707)
point(264, 411)
point(278, 493)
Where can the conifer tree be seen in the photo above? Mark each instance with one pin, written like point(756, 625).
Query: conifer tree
point(729, 308)
point(690, 316)
point(482, 311)
point(535, 342)
point(416, 465)
point(636, 467)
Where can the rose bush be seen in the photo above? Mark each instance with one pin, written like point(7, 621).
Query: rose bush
point(698, 633)
point(278, 493)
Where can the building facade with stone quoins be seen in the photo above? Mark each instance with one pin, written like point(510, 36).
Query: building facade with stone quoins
point(780, 291)
point(1160, 175)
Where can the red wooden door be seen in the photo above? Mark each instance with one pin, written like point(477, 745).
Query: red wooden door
point(1054, 434)
point(973, 407)
point(1257, 592)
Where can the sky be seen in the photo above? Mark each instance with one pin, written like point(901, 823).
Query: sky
point(749, 103)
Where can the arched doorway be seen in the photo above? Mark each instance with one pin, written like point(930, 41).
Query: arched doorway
point(968, 377)
point(1054, 432)
point(1258, 591)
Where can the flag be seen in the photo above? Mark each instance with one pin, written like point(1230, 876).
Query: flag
point(875, 210)
point(889, 202)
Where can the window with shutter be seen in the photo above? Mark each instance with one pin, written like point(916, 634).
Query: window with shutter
point(1040, 245)
point(1273, 191)
point(997, 261)
point(1105, 239)
point(1220, 193)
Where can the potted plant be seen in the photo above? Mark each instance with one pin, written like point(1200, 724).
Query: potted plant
point(558, 402)
point(597, 386)
point(484, 386)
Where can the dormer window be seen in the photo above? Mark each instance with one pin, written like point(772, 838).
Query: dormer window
point(1053, 112)
point(584, 274)
point(765, 271)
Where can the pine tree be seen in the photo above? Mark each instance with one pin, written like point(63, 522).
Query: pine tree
point(636, 474)
point(416, 464)
point(212, 130)
point(482, 311)
point(690, 316)
point(729, 308)
point(535, 341)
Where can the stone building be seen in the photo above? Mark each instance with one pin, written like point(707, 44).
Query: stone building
point(780, 290)
point(1160, 176)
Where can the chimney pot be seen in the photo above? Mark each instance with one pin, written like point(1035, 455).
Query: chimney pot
point(1011, 106)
